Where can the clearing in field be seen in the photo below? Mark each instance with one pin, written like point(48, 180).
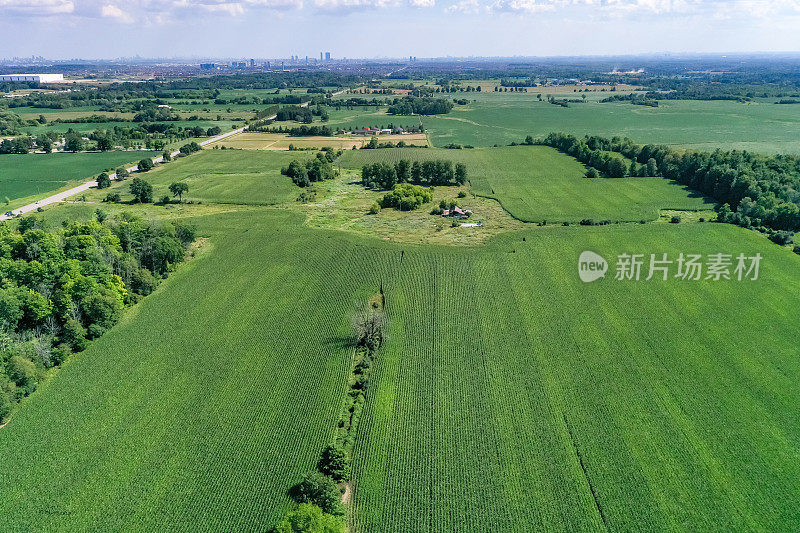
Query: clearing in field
point(282, 141)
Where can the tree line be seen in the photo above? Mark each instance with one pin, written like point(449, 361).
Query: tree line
point(412, 105)
point(63, 287)
point(754, 190)
point(385, 176)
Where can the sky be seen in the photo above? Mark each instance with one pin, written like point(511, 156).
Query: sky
point(94, 29)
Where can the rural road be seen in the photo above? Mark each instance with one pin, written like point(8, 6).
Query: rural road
point(60, 197)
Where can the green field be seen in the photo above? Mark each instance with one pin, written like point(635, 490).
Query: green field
point(25, 175)
point(513, 397)
point(499, 402)
point(225, 176)
point(509, 396)
point(494, 118)
point(200, 409)
point(537, 183)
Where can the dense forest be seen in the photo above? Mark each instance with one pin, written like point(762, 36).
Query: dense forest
point(61, 288)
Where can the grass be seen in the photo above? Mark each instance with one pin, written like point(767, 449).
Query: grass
point(493, 118)
point(220, 176)
point(27, 175)
point(536, 183)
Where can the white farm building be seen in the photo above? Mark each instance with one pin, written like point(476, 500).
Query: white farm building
point(39, 78)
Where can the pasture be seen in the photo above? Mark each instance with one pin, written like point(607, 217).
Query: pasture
point(26, 175)
point(537, 183)
point(500, 401)
point(221, 176)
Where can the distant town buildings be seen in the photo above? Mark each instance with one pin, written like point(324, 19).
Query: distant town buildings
point(208, 66)
point(39, 78)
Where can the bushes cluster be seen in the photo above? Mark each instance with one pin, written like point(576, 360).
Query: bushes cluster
point(406, 197)
point(317, 169)
point(427, 173)
point(62, 288)
point(190, 148)
point(755, 190)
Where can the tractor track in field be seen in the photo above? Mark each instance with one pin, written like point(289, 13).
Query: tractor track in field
point(586, 475)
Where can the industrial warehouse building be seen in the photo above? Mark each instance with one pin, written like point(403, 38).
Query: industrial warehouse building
point(39, 78)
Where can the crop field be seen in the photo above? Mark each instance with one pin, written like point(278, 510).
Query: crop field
point(494, 118)
point(25, 175)
point(486, 412)
point(513, 397)
point(537, 183)
point(205, 404)
point(280, 141)
point(223, 176)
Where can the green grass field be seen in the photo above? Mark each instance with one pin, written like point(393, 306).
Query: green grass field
point(537, 183)
point(26, 175)
point(224, 176)
point(494, 118)
point(501, 400)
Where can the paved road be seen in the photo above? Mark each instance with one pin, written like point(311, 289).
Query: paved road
point(60, 197)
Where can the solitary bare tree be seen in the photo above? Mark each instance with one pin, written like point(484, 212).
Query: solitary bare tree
point(369, 323)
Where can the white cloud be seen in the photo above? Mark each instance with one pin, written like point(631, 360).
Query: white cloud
point(353, 5)
point(465, 6)
point(154, 10)
point(36, 8)
point(114, 12)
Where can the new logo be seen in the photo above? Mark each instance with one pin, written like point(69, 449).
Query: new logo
point(591, 266)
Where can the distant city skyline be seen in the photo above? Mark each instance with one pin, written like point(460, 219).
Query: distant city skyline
point(92, 29)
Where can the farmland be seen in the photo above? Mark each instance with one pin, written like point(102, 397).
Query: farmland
point(511, 414)
point(193, 430)
point(281, 141)
point(433, 371)
point(535, 183)
point(502, 401)
point(25, 175)
point(491, 118)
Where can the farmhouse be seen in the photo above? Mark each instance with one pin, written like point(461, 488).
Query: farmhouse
point(457, 212)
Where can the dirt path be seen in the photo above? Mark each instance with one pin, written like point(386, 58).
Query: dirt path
point(348, 492)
